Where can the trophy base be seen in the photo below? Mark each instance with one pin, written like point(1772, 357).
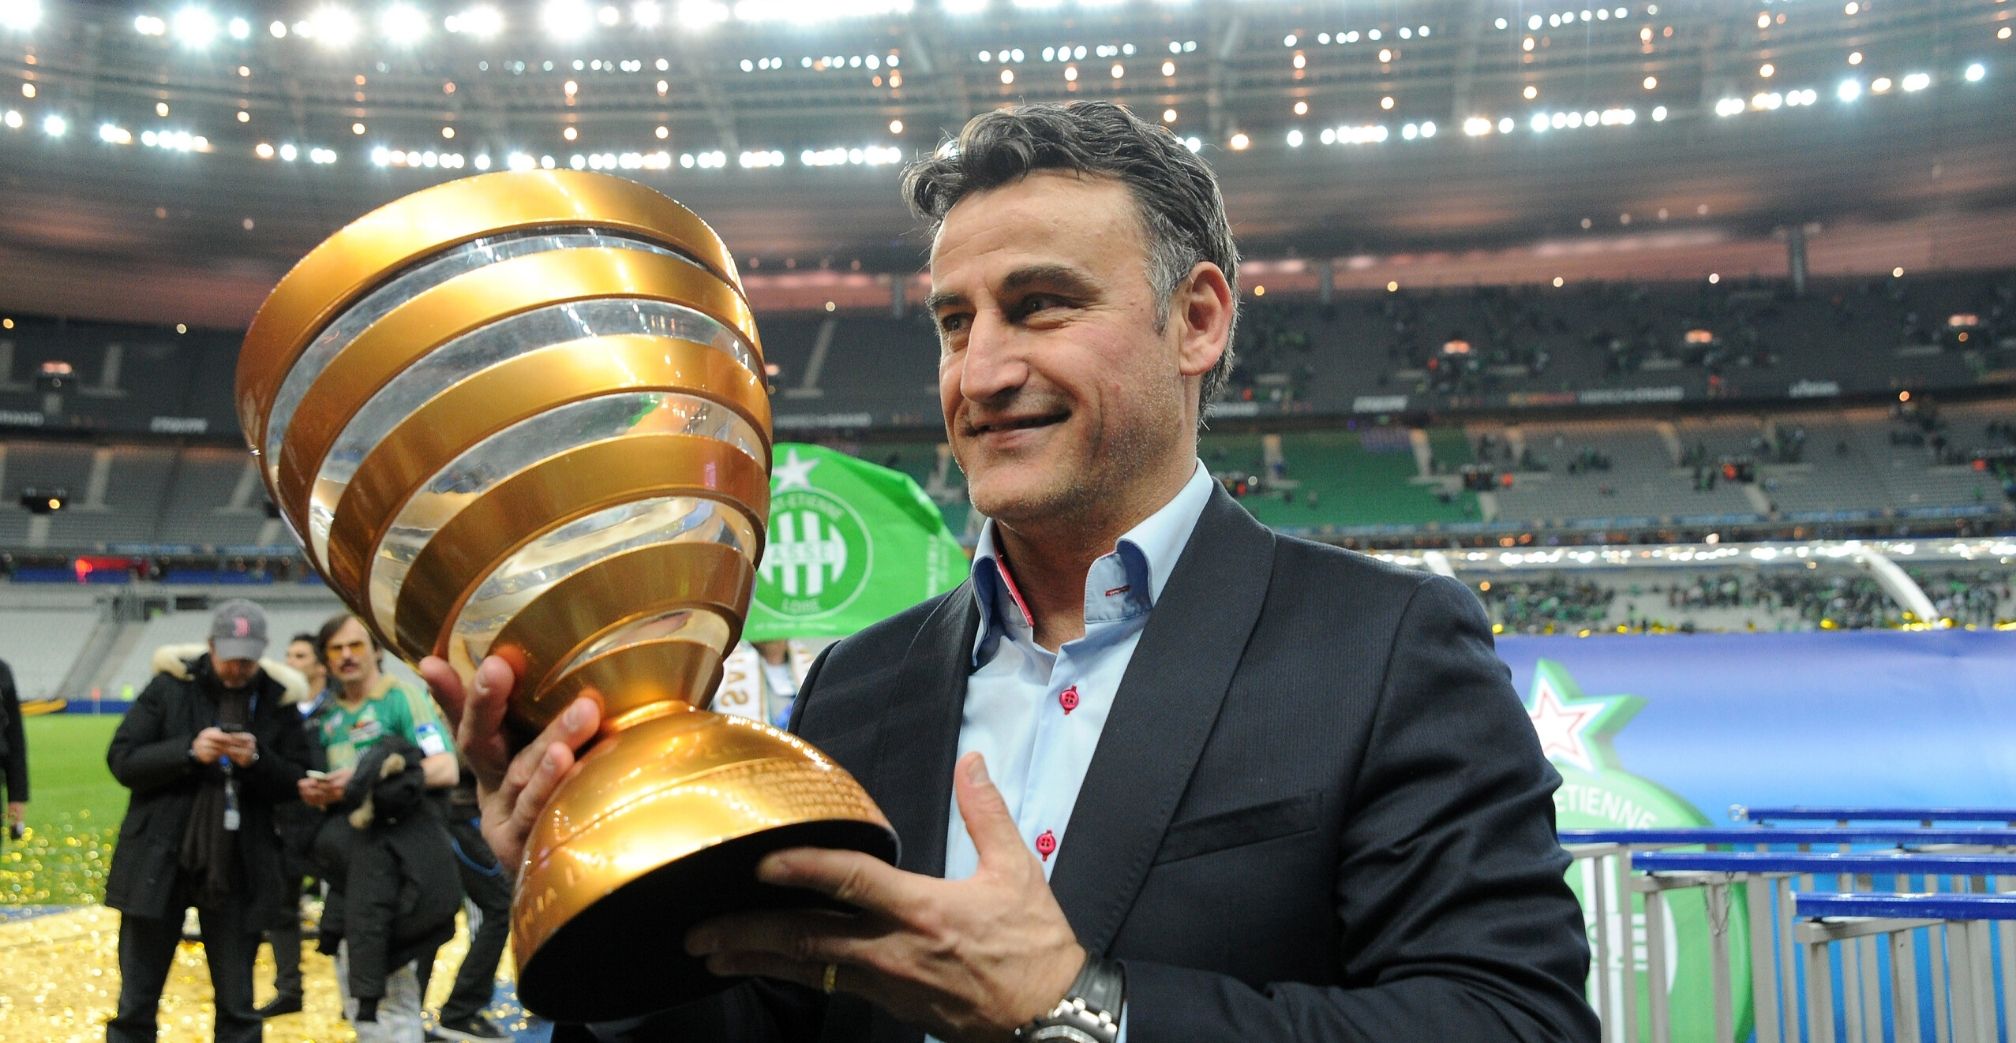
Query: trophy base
point(661, 827)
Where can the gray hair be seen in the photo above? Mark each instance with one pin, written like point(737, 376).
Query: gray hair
point(1175, 194)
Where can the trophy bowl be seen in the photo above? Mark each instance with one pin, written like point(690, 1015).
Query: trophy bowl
point(523, 414)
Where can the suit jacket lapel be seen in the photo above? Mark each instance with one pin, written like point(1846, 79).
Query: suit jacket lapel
point(1164, 711)
point(912, 773)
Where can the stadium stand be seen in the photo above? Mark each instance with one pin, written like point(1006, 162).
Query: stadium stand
point(1774, 600)
point(43, 631)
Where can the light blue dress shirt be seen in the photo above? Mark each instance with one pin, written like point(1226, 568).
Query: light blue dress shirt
point(1035, 714)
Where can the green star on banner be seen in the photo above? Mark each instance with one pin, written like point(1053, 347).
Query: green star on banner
point(850, 544)
point(1578, 734)
point(1576, 729)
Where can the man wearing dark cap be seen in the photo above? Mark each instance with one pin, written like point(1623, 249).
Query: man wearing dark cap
point(208, 750)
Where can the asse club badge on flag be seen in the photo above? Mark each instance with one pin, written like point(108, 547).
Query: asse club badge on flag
point(850, 543)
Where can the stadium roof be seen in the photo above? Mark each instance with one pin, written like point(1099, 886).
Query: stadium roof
point(167, 161)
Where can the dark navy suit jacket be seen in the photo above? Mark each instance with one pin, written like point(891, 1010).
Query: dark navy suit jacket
point(1317, 812)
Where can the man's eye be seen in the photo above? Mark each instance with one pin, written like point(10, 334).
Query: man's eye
point(1036, 303)
point(951, 323)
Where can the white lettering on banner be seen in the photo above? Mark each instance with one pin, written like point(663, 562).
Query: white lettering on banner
point(1625, 396)
point(1814, 389)
point(799, 421)
point(19, 418)
point(804, 554)
point(178, 425)
point(1604, 804)
point(739, 693)
point(1379, 404)
point(1233, 409)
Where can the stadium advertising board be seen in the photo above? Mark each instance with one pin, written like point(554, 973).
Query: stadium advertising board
point(1672, 732)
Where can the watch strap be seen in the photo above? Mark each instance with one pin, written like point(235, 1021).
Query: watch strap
point(1088, 1013)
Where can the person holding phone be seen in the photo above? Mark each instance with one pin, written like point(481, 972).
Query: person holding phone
point(208, 751)
point(366, 708)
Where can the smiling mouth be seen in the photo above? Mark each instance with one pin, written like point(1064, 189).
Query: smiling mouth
point(1017, 424)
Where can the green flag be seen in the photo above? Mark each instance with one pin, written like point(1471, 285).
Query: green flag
point(850, 543)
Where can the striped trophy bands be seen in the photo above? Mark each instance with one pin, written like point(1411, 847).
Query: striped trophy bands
point(524, 415)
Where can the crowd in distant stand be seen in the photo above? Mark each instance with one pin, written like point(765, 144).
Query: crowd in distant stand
point(1978, 597)
point(1615, 328)
point(1773, 600)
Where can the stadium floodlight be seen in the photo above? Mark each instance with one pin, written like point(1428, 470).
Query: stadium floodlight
point(55, 126)
point(647, 14)
point(566, 19)
point(700, 15)
point(194, 27)
point(20, 15)
point(1976, 72)
point(1848, 90)
point(114, 134)
point(239, 28)
point(1505, 125)
point(1294, 139)
point(482, 21)
point(148, 25)
point(403, 24)
point(1729, 107)
point(1917, 81)
point(333, 26)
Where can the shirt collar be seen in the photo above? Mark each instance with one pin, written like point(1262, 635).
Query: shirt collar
point(1143, 557)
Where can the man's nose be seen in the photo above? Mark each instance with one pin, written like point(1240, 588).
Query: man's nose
point(994, 362)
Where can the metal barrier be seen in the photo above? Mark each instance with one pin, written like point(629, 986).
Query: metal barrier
point(1963, 922)
point(1844, 815)
point(1766, 880)
point(1626, 943)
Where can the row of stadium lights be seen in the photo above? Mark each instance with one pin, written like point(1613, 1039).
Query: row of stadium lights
point(404, 24)
point(56, 126)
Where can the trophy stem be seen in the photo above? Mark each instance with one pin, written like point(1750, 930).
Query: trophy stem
point(660, 826)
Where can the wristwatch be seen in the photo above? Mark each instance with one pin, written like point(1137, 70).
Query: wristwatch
point(1088, 1013)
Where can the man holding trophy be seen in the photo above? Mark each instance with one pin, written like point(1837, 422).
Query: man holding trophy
point(1158, 773)
point(1302, 800)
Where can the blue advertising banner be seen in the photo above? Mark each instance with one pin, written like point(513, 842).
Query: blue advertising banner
point(1862, 718)
point(1664, 732)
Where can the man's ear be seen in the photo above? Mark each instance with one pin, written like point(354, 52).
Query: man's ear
point(1202, 313)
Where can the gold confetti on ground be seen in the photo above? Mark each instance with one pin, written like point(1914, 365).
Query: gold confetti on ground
point(62, 983)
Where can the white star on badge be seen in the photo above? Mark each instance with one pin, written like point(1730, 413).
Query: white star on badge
point(793, 473)
point(1560, 728)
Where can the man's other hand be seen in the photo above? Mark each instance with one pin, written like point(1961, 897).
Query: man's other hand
point(511, 785)
point(319, 793)
point(968, 960)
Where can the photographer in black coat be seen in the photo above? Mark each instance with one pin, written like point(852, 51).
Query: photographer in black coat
point(207, 756)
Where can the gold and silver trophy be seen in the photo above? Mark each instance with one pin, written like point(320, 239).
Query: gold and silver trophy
point(523, 414)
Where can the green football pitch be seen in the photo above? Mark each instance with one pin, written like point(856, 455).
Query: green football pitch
point(74, 807)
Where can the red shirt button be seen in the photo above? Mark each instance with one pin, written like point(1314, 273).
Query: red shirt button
point(1068, 699)
point(1046, 845)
